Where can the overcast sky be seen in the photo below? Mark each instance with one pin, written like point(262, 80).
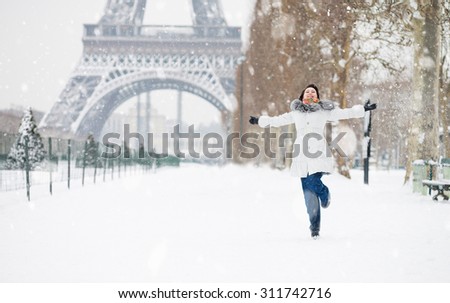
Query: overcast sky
point(41, 41)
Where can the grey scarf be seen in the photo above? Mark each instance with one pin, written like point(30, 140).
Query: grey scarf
point(309, 108)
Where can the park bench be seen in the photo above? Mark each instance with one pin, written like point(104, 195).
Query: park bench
point(439, 185)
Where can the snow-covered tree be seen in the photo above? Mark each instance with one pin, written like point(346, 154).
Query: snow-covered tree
point(423, 141)
point(36, 152)
point(91, 151)
point(444, 78)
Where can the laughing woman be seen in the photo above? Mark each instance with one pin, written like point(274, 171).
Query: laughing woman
point(310, 114)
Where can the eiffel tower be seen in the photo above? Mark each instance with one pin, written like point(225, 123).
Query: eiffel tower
point(123, 58)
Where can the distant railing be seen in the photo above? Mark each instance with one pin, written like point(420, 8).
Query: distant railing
point(70, 161)
point(161, 31)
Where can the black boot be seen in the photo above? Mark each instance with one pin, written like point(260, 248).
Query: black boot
point(315, 234)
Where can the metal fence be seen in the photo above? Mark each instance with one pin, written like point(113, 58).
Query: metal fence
point(71, 161)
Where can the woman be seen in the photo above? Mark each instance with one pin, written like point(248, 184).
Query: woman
point(314, 158)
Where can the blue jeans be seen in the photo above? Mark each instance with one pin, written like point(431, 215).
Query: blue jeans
point(313, 208)
point(314, 184)
point(313, 189)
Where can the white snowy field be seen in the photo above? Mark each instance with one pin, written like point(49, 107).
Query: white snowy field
point(229, 224)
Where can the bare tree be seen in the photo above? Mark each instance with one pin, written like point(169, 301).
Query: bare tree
point(280, 58)
point(363, 30)
point(444, 79)
point(423, 141)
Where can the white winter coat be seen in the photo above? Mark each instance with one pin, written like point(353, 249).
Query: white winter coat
point(311, 123)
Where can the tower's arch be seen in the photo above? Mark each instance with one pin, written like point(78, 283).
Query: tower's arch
point(117, 92)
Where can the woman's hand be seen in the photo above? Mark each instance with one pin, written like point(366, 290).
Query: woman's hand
point(368, 106)
point(253, 120)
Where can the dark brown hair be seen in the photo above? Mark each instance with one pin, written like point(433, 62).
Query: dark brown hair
point(310, 85)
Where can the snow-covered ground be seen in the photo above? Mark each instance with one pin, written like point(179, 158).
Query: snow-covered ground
point(229, 224)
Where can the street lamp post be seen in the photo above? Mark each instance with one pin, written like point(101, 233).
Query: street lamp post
point(241, 61)
point(367, 143)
